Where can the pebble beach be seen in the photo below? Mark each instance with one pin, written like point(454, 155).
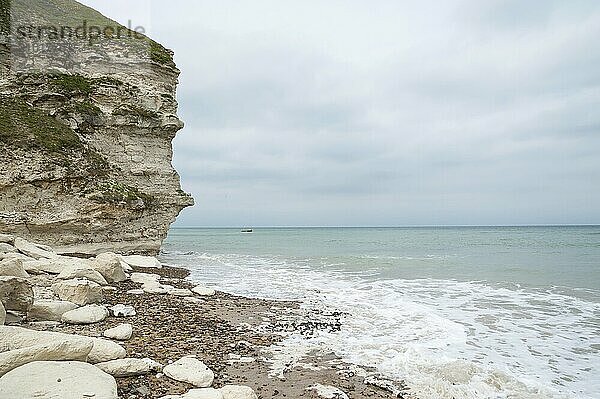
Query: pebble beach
point(156, 334)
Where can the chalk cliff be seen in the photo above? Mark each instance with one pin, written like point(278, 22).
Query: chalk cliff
point(86, 124)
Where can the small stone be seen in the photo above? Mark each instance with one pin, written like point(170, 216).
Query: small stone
point(89, 314)
point(121, 310)
point(122, 332)
point(203, 291)
point(143, 390)
point(328, 391)
point(129, 367)
point(144, 278)
point(135, 292)
point(180, 292)
point(142, 261)
point(193, 299)
point(238, 392)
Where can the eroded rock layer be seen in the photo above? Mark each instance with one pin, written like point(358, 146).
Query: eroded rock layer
point(85, 133)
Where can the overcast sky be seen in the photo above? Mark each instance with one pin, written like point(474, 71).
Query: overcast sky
point(383, 112)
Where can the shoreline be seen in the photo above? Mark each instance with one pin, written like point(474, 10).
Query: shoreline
point(237, 337)
point(218, 330)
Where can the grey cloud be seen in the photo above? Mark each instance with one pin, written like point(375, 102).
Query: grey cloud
point(343, 113)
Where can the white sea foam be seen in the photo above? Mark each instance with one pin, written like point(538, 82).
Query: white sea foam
point(446, 339)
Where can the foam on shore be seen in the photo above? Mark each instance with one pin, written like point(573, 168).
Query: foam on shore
point(446, 339)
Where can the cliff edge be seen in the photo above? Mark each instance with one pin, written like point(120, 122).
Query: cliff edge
point(87, 117)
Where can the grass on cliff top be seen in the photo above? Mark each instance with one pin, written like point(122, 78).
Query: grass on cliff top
point(70, 13)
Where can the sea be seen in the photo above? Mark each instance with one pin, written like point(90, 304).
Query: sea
point(455, 312)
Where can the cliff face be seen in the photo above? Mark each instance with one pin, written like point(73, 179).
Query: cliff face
point(85, 133)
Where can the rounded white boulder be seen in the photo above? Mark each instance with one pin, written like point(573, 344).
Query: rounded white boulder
point(122, 332)
point(191, 370)
point(89, 314)
point(65, 380)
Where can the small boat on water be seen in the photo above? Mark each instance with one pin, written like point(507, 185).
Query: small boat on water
point(246, 230)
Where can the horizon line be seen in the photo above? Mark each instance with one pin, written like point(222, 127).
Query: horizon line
point(388, 226)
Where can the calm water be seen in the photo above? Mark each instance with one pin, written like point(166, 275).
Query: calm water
point(461, 312)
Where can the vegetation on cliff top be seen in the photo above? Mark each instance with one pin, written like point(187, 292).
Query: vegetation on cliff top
point(70, 13)
point(160, 54)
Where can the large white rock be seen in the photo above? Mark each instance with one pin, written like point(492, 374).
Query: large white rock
point(2, 314)
point(16, 293)
point(105, 350)
point(121, 310)
point(199, 393)
point(12, 267)
point(7, 238)
point(122, 332)
point(89, 314)
point(53, 380)
point(142, 261)
point(71, 349)
point(237, 392)
point(81, 271)
point(32, 250)
point(17, 337)
point(110, 266)
point(81, 292)
point(129, 367)
point(7, 248)
point(203, 291)
point(191, 370)
point(49, 310)
point(55, 265)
